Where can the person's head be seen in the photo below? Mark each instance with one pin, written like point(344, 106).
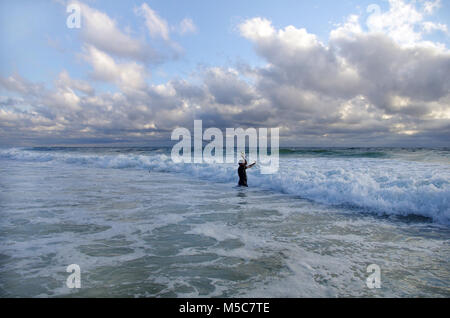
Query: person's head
point(241, 162)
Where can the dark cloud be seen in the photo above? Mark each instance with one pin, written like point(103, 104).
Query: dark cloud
point(227, 87)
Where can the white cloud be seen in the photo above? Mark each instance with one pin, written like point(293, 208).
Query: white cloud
point(187, 26)
point(65, 81)
point(157, 27)
point(361, 82)
point(405, 23)
point(128, 76)
point(64, 99)
point(350, 28)
point(257, 28)
point(429, 27)
point(102, 32)
point(430, 6)
point(17, 83)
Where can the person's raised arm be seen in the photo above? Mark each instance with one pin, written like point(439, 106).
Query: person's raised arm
point(249, 166)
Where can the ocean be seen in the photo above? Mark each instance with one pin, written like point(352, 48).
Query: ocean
point(139, 225)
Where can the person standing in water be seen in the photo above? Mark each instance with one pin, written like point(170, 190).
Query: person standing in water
point(243, 173)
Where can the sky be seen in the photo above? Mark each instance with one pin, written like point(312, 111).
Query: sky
point(327, 73)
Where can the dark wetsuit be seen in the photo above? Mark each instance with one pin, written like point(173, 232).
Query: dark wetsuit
point(242, 176)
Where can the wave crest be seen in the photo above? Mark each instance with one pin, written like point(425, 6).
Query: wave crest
point(380, 186)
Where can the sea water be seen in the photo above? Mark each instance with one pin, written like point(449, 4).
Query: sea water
point(138, 225)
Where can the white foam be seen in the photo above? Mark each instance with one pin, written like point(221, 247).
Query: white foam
point(219, 232)
point(380, 186)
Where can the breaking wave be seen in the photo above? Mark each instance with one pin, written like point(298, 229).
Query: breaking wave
point(392, 187)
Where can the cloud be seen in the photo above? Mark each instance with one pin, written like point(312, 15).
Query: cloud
point(257, 28)
point(18, 84)
point(361, 87)
point(102, 31)
point(297, 58)
point(227, 88)
point(360, 83)
point(405, 22)
point(187, 26)
point(429, 27)
point(129, 76)
point(157, 27)
point(65, 81)
point(430, 6)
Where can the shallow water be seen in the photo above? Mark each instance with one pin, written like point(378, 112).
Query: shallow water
point(136, 233)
